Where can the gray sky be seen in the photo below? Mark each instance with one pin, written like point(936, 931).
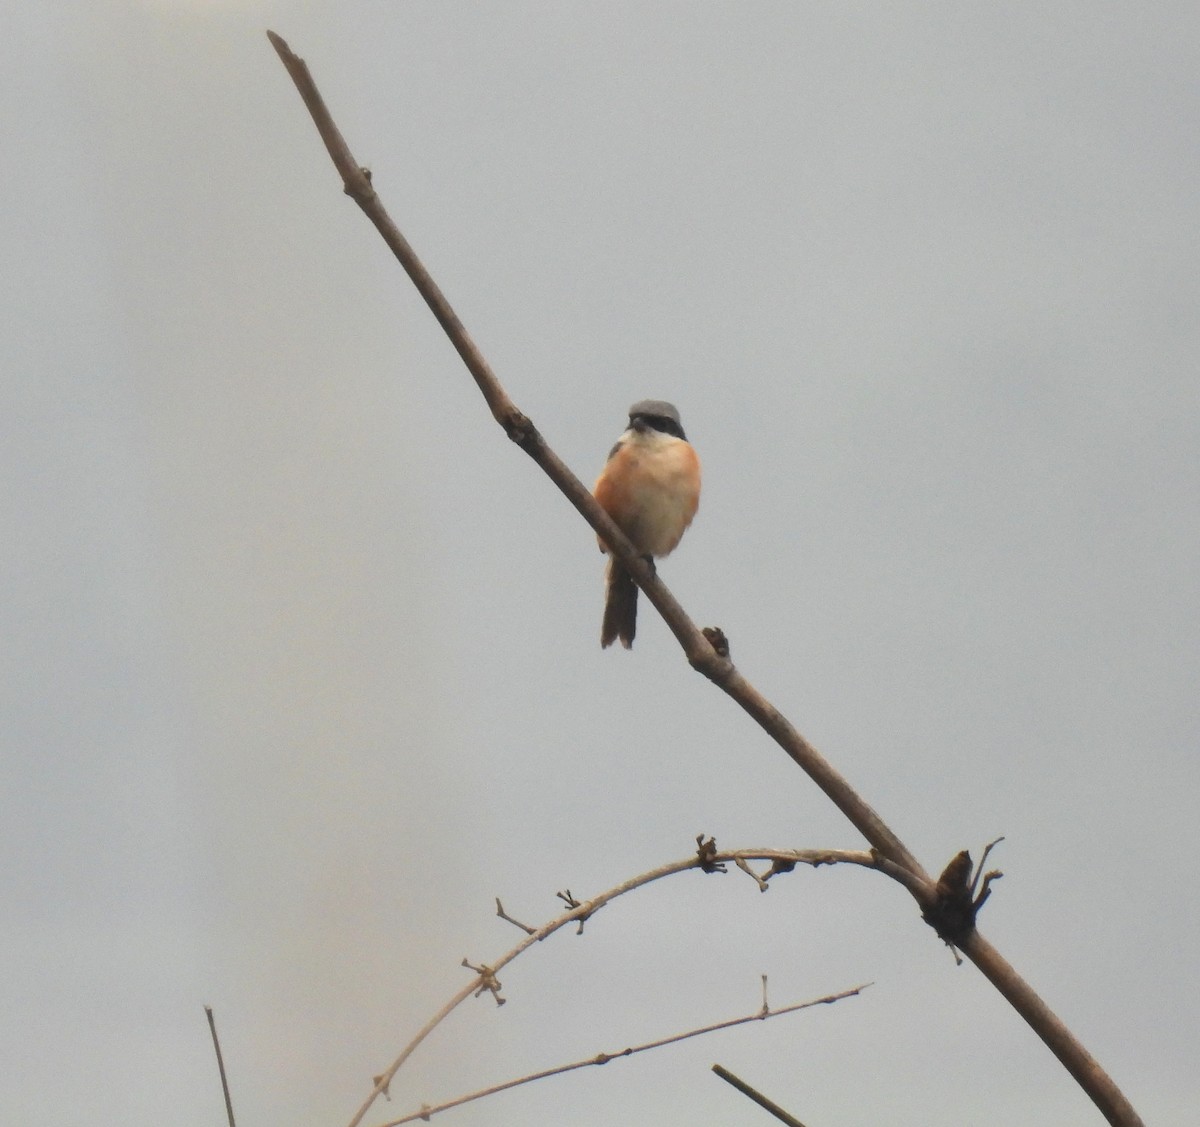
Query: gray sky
point(301, 662)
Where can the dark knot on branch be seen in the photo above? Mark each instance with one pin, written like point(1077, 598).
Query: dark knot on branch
point(707, 852)
point(520, 429)
point(960, 892)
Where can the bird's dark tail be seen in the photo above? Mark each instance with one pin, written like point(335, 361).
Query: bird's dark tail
point(620, 607)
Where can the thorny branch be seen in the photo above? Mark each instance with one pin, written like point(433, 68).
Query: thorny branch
point(486, 976)
point(707, 656)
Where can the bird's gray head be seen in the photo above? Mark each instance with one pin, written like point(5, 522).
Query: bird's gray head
point(656, 414)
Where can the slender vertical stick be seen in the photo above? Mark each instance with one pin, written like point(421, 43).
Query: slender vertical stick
point(212, 1025)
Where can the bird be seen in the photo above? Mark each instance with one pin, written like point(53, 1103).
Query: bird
point(650, 486)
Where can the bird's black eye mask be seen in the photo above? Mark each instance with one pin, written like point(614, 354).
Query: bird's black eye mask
point(657, 422)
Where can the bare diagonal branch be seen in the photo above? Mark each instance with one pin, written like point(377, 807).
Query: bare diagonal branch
point(720, 670)
point(604, 1058)
point(699, 652)
point(757, 1097)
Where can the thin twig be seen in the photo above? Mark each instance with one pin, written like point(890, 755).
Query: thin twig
point(516, 923)
point(757, 1097)
point(979, 873)
point(697, 648)
point(428, 1110)
point(212, 1025)
point(760, 881)
point(585, 908)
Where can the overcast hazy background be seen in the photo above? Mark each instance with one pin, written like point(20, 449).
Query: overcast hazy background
point(301, 662)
